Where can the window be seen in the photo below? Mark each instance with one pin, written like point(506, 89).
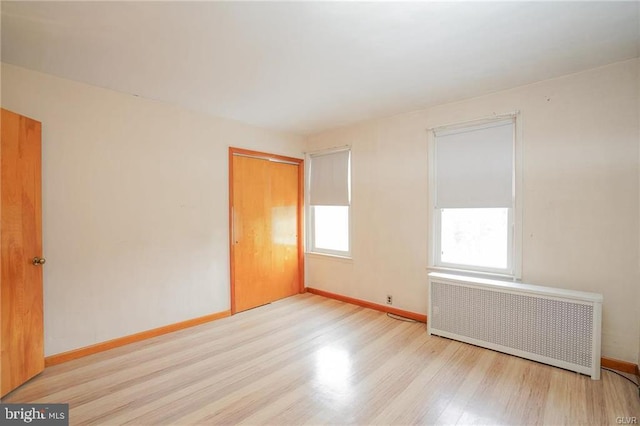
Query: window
point(473, 198)
point(475, 237)
point(329, 210)
point(331, 228)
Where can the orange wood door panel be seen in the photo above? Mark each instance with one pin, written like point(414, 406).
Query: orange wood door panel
point(265, 231)
point(284, 229)
point(21, 318)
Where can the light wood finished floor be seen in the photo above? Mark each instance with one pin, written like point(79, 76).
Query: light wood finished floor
point(312, 360)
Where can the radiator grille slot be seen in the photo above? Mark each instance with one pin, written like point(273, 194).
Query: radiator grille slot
point(558, 331)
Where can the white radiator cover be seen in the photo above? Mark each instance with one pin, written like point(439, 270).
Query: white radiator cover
point(549, 325)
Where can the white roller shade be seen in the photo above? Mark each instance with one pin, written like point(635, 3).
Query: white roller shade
point(329, 179)
point(474, 166)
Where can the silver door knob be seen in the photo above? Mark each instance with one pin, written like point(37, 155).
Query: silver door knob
point(37, 261)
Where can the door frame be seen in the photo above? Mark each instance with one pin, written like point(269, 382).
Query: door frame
point(299, 213)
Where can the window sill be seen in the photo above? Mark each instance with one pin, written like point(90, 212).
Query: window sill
point(326, 256)
point(476, 274)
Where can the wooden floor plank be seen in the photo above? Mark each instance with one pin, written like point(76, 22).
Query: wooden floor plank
point(312, 360)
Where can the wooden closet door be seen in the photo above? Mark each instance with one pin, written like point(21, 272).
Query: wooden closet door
point(265, 231)
point(21, 324)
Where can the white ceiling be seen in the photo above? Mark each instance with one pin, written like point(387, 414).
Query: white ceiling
point(308, 66)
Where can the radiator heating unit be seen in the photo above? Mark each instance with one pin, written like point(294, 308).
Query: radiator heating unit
point(549, 325)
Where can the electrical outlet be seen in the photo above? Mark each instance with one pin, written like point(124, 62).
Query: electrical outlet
point(389, 299)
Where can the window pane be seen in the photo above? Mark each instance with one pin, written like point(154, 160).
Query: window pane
point(477, 237)
point(331, 227)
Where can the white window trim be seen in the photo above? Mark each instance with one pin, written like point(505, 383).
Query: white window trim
point(309, 224)
point(514, 268)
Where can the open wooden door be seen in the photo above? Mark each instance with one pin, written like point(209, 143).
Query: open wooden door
point(21, 324)
point(266, 229)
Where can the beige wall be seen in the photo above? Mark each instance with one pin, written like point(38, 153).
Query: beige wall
point(135, 199)
point(135, 202)
point(580, 194)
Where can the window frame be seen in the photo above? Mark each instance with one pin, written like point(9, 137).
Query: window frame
point(310, 247)
point(513, 270)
